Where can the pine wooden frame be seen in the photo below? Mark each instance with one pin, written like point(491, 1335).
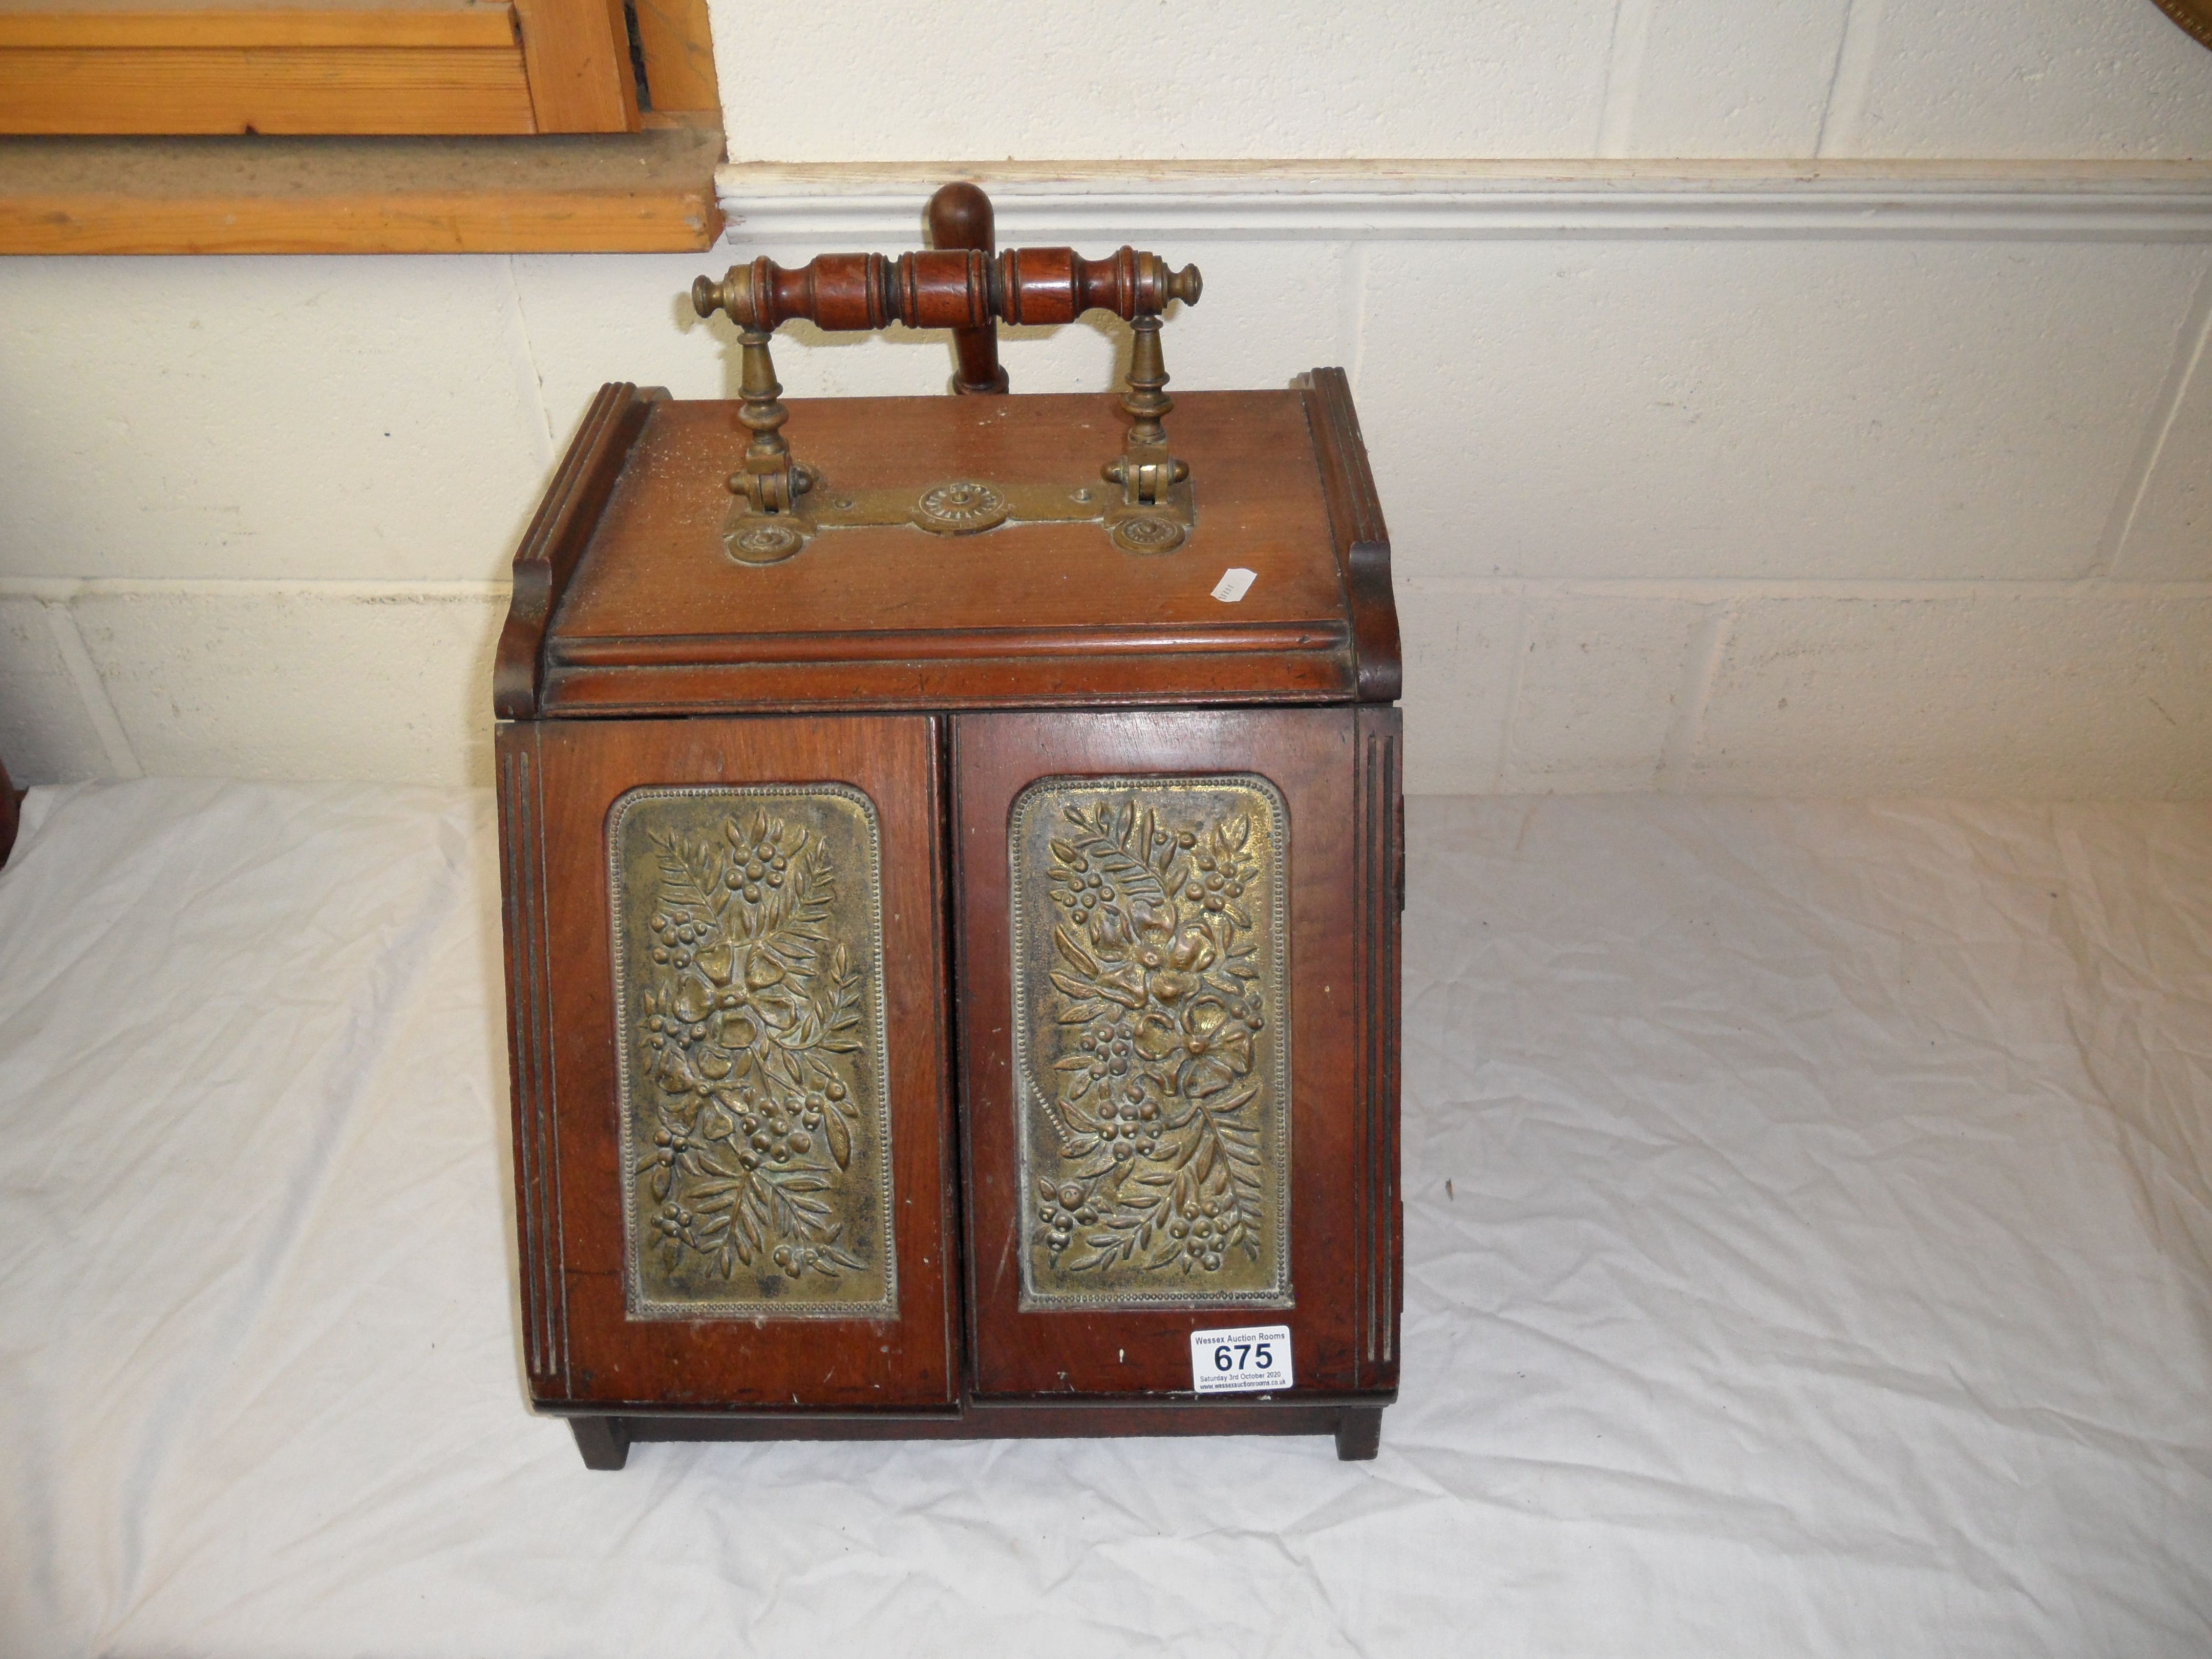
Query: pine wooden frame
point(383, 67)
point(362, 126)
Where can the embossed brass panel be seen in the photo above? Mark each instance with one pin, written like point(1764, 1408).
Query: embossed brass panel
point(749, 982)
point(1152, 1042)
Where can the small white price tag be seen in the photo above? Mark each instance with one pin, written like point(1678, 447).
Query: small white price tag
point(1235, 582)
point(1252, 1360)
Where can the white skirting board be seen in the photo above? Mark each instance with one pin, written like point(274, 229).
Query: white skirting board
point(1404, 201)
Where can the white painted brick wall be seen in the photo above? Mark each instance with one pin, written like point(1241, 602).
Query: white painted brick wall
point(1132, 79)
point(1601, 680)
point(247, 681)
point(1773, 499)
point(280, 419)
point(47, 703)
point(1987, 693)
point(1871, 411)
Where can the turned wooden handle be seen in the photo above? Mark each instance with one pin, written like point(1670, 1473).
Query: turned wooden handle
point(1058, 284)
point(945, 287)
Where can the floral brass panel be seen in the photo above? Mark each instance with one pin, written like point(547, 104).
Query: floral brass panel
point(755, 1126)
point(1149, 936)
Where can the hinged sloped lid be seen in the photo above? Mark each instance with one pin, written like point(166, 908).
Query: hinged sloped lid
point(633, 605)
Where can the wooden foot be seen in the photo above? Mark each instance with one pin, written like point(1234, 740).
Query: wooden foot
point(605, 1441)
point(1359, 1433)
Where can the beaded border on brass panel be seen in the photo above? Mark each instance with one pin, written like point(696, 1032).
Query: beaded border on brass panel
point(1152, 1042)
point(758, 1046)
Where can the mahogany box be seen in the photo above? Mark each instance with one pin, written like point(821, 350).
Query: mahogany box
point(955, 966)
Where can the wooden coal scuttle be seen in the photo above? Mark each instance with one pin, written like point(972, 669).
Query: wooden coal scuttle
point(952, 862)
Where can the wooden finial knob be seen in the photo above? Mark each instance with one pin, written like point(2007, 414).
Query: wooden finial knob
point(707, 297)
point(960, 215)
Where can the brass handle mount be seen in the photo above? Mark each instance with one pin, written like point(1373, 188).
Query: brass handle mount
point(969, 291)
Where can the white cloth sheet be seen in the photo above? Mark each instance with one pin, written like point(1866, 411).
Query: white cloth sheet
point(1809, 1238)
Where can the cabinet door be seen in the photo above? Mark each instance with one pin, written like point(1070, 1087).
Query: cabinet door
point(1178, 958)
point(726, 966)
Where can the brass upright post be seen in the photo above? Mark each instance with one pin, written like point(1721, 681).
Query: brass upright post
point(1146, 399)
point(766, 480)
